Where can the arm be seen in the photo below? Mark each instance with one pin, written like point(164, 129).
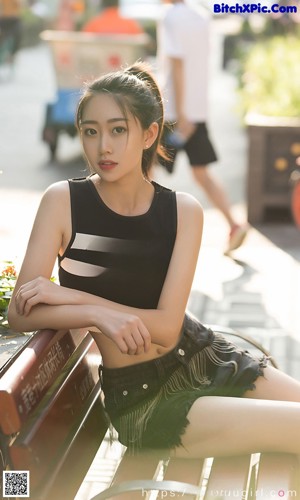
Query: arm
point(173, 47)
point(183, 125)
point(46, 240)
point(37, 303)
point(178, 82)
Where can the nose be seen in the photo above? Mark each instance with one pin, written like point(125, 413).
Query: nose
point(105, 144)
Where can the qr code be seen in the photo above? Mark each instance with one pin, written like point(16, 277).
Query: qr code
point(16, 483)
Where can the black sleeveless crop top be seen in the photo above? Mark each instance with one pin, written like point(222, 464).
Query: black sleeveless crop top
point(121, 258)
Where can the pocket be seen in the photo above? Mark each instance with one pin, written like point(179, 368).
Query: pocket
point(126, 396)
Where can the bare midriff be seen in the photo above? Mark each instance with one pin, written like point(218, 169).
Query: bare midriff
point(113, 358)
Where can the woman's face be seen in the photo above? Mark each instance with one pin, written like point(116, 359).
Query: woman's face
point(113, 143)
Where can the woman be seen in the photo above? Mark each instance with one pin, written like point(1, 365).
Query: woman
point(127, 251)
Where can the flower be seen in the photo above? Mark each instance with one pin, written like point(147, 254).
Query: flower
point(8, 278)
point(9, 271)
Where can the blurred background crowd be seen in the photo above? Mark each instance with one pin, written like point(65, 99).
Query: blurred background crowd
point(254, 117)
point(261, 51)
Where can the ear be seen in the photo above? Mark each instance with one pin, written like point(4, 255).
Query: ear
point(150, 135)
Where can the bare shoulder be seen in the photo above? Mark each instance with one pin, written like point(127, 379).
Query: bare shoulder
point(188, 207)
point(60, 189)
point(54, 208)
point(56, 194)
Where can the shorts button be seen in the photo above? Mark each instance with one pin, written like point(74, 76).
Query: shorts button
point(181, 352)
point(145, 386)
point(125, 393)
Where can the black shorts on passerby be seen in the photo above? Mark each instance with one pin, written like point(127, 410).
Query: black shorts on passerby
point(198, 148)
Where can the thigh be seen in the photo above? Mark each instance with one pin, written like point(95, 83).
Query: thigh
point(224, 426)
point(266, 419)
point(275, 385)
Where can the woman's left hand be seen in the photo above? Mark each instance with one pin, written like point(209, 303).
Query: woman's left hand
point(41, 291)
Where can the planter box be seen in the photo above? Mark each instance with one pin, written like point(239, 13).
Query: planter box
point(274, 145)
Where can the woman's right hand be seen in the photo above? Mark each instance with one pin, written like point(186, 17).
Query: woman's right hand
point(42, 291)
point(127, 331)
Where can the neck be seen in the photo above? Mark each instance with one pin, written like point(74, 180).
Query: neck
point(126, 198)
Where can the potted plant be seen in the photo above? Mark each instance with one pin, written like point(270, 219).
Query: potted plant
point(269, 84)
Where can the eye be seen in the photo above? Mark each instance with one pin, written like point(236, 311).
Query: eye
point(90, 131)
point(119, 130)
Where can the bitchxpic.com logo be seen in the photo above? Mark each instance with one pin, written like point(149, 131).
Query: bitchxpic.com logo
point(254, 8)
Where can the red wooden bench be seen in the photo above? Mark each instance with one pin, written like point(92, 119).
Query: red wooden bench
point(51, 414)
point(266, 476)
point(52, 423)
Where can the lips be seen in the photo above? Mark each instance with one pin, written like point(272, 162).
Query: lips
point(107, 165)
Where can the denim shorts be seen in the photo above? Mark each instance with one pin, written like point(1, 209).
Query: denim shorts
point(148, 402)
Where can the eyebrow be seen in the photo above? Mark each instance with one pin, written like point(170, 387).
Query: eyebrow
point(111, 120)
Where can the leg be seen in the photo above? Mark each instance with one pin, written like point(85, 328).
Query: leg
point(218, 198)
point(223, 426)
point(201, 153)
point(214, 192)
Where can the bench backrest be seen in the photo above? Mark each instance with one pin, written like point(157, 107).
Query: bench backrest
point(51, 411)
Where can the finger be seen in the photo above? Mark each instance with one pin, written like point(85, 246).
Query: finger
point(30, 303)
point(20, 294)
point(122, 346)
point(25, 301)
point(139, 341)
point(27, 286)
point(146, 336)
point(131, 344)
point(20, 301)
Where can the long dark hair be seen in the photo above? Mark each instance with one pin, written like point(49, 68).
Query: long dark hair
point(135, 91)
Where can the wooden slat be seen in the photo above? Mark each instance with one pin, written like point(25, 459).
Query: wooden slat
point(232, 477)
point(185, 470)
point(141, 466)
point(229, 478)
point(278, 476)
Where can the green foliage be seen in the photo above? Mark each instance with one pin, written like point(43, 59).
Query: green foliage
point(8, 278)
point(270, 77)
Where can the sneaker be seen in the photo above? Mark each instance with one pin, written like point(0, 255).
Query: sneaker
point(236, 237)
